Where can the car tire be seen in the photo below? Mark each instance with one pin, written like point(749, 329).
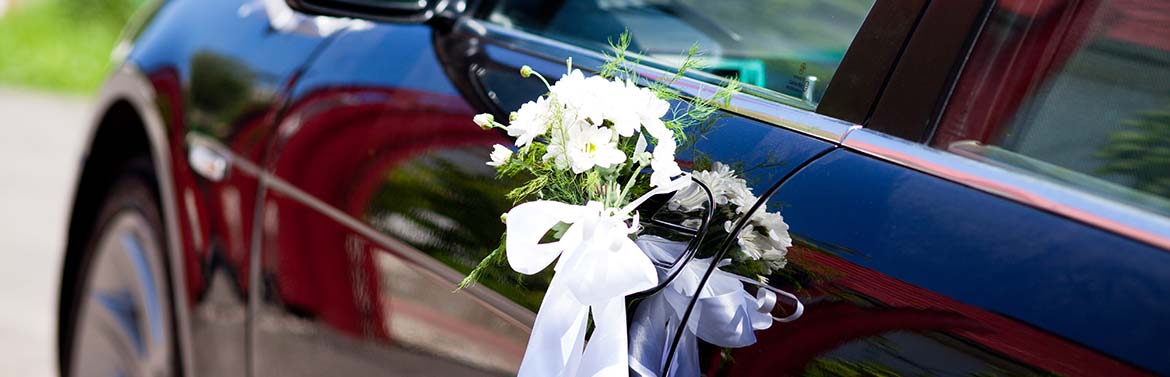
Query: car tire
point(123, 324)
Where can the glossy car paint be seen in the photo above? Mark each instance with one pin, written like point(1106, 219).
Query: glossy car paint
point(345, 136)
point(223, 84)
point(378, 132)
point(983, 284)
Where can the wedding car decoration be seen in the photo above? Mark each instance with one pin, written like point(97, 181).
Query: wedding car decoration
point(595, 148)
point(725, 314)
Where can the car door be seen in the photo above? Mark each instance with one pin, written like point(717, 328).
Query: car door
point(217, 69)
point(378, 201)
point(1018, 231)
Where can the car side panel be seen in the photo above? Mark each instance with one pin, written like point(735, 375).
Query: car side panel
point(905, 272)
point(216, 69)
point(342, 296)
point(380, 202)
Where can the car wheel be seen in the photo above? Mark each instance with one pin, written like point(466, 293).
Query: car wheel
point(123, 323)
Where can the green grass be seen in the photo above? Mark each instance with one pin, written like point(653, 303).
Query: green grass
point(47, 46)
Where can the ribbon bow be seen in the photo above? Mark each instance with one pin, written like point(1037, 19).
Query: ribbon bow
point(725, 315)
point(599, 266)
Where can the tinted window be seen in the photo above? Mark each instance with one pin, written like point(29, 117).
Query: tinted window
point(788, 46)
point(1075, 91)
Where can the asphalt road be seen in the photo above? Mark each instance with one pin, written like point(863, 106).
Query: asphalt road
point(40, 149)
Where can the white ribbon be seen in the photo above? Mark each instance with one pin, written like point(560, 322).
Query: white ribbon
point(599, 266)
point(725, 314)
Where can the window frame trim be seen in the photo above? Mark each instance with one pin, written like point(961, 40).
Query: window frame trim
point(746, 104)
point(871, 59)
point(868, 63)
point(919, 89)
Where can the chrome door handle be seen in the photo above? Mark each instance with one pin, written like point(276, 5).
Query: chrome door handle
point(208, 162)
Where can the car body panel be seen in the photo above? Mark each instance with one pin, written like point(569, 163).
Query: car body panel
point(380, 137)
point(222, 84)
point(356, 198)
point(1033, 292)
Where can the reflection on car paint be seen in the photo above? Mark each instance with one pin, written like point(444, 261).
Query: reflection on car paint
point(901, 272)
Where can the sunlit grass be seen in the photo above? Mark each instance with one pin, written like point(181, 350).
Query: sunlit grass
point(43, 46)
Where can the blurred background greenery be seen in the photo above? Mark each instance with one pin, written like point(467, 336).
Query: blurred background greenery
point(59, 45)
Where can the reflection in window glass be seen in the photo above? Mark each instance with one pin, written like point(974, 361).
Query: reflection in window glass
point(1076, 91)
point(789, 46)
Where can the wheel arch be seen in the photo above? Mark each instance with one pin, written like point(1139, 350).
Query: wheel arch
point(127, 125)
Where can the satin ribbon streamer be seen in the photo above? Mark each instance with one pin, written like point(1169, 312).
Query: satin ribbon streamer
point(725, 315)
point(599, 266)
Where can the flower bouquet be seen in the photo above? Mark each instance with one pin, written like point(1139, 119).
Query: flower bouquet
point(596, 149)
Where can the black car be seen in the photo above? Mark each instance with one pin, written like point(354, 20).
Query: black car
point(975, 187)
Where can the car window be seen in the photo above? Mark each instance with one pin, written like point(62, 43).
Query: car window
point(791, 47)
point(1078, 92)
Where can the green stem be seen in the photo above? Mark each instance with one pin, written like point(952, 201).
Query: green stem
point(630, 182)
point(495, 258)
point(541, 77)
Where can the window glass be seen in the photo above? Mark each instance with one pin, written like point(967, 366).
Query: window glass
point(1074, 91)
point(792, 47)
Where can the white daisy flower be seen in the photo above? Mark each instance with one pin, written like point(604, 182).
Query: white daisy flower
point(530, 121)
point(559, 136)
point(621, 108)
point(556, 154)
point(590, 146)
point(645, 104)
point(586, 96)
point(663, 165)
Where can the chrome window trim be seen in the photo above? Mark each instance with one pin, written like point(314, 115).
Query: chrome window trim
point(1106, 214)
point(752, 103)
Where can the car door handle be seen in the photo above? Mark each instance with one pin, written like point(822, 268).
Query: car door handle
point(208, 162)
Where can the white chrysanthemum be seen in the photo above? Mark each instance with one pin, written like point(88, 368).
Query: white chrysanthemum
point(777, 241)
point(774, 248)
point(720, 179)
point(500, 155)
point(775, 259)
point(762, 243)
point(765, 237)
point(777, 229)
point(748, 240)
point(742, 198)
point(530, 121)
point(691, 197)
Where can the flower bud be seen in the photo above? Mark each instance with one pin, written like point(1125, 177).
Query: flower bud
point(485, 121)
point(525, 71)
point(504, 218)
point(642, 158)
point(500, 155)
